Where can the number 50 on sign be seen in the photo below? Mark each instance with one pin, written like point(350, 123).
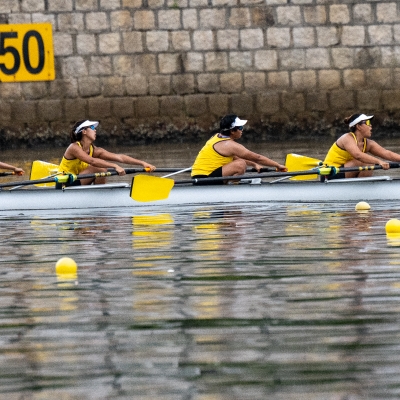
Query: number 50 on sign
point(26, 53)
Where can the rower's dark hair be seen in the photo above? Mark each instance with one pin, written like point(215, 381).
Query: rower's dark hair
point(227, 121)
point(350, 119)
point(76, 137)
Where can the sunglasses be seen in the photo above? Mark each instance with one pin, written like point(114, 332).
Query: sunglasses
point(367, 122)
point(92, 127)
point(239, 128)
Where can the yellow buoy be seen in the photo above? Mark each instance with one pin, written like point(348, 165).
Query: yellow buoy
point(393, 226)
point(66, 266)
point(362, 206)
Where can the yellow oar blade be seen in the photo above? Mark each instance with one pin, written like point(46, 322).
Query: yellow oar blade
point(43, 169)
point(296, 162)
point(150, 188)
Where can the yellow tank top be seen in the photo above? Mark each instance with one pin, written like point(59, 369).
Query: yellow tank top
point(75, 166)
point(208, 160)
point(337, 157)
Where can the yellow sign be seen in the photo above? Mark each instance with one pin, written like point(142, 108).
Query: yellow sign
point(26, 53)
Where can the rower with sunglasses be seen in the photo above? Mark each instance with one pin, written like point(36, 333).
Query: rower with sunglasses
point(82, 157)
point(222, 156)
point(355, 148)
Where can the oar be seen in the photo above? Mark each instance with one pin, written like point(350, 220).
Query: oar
point(152, 188)
point(7, 173)
point(65, 178)
point(296, 162)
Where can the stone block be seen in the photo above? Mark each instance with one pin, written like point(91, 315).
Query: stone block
point(329, 79)
point(41, 17)
point(293, 103)
point(132, 3)
point(110, 43)
point(380, 34)
point(339, 14)
point(387, 12)
point(275, 2)
point(132, 42)
point(228, 39)
point(396, 78)
point(86, 5)
point(96, 21)
point(353, 78)
point(171, 106)
point(5, 114)
point(390, 56)
point(196, 105)
point(266, 60)
point(89, 86)
point(169, 19)
point(70, 22)
point(34, 90)
point(304, 80)
point(100, 66)
point(160, 85)
point(368, 99)
point(121, 20)
point(252, 38)
point(99, 108)
point(32, 5)
point(177, 4)
point(169, 63)
point(278, 80)
point(224, 3)
point(390, 100)
point(50, 110)
point(267, 103)
point(136, 85)
point(240, 60)
point(362, 13)
point(64, 88)
point(183, 84)
point(239, 18)
point(216, 61)
point(60, 5)
point(62, 44)
point(316, 101)
point(157, 41)
point(327, 36)
point(341, 100)
point(212, 18)
point(218, 104)
point(24, 111)
point(396, 33)
point(86, 44)
point(76, 109)
point(317, 58)
point(303, 37)
point(288, 15)
point(73, 67)
point(198, 3)
point(155, 3)
point(203, 40)
point(342, 57)
point(144, 20)
point(278, 37)
point(123, 107)
point(208, 83)
point(242, 104)
point(293, 59)
point(113, 86)
point(10, 90)
point(193, 62)
point(181, 41)
point(379, 78)
point(10, 6)
point(231, 82)
point(147, 107)
point(254, 82)
point(314, 15)
point(110, 4)
point(143, 64)
point(190, 19)
point(353, 36)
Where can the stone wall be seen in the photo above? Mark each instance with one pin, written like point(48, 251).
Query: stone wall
point(169, 69)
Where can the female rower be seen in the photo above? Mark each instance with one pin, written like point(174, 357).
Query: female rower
point(82, 157)
point(18, 171)
point(352, 148)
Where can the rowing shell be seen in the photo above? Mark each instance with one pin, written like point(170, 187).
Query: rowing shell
point(117, 196)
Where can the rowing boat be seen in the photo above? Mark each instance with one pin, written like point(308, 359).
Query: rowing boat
point(116, 196)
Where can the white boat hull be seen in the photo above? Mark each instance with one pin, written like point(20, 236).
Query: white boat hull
point(117, 196)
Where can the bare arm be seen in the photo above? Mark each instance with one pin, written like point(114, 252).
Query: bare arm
point(379, 151)
point(122, 158)
point(10, 167)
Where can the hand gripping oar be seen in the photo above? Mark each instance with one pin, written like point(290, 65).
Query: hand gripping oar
point(7, 173)
point(69, 178)
point(159, 188)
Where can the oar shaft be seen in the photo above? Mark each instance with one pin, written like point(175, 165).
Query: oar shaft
point(6, 173)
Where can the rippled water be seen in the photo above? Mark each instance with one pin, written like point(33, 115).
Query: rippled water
point(247, 301)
